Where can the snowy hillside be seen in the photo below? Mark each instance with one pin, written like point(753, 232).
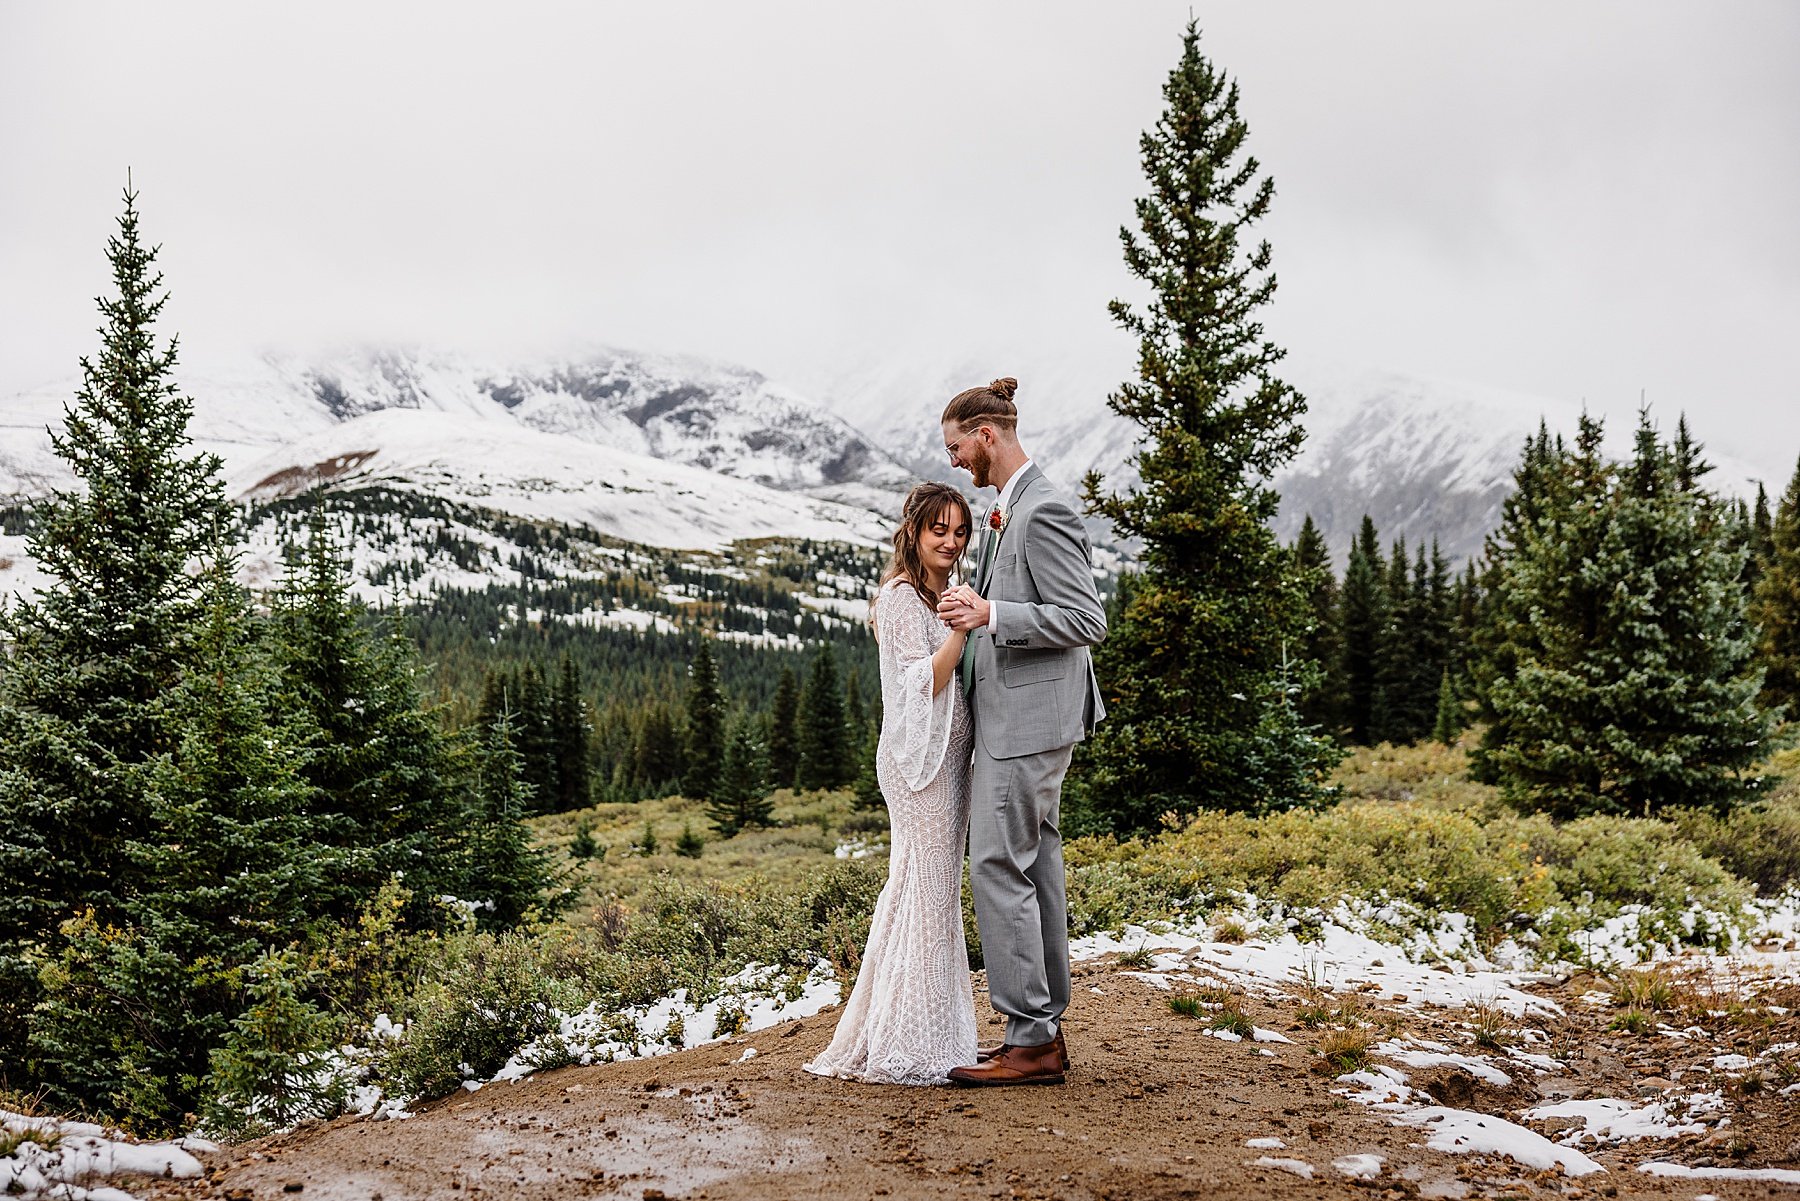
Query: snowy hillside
point(496, 464)
point(683, 411)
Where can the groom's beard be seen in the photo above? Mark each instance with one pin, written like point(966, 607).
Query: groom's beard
point(979, 468)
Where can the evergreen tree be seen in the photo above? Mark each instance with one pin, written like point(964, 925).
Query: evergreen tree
point(784, 753)
point(91, 660)
point(868, 783)
point(1323, 643)
point(228, 873)
point(856, 718)
point(572, 735)
point(1540, 486)
point(656, 751)
point(825, 753)
point(705, 727)
point(1363, 614)
point(1622, 608)
point(1776, 610)
point(1761, 540)
point(1194, 668)
point(380, 770)
point(1449, 722)
point(511, 880)
point(1394, 717)
point(534, 735)
point(742, 800)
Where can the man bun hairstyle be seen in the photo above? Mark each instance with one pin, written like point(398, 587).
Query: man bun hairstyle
point(991, 405)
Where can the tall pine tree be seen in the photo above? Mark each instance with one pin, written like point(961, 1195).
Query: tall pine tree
point(742, 797)
point(826, 754)
point(784, 716)
point(92, 659)
point(705, 727)
point(1323, 644)
point(572, 731)
point(1203, 652)
point(1362, 618)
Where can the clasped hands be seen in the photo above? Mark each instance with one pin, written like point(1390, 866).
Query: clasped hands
point(962, 608)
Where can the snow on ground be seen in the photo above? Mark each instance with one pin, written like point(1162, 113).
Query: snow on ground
point(1463, 1131)
point(753, 999)
point(1341, 957)
point(1298, 1167)
point(1607, 1120)
point(75, 1161)
point(1778, 1175)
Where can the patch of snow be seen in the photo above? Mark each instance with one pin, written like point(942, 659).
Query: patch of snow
point(1607, 1120)
point(1298, 1167)
point(1264, 1144)
point(1777, 1175)
point(1475, 1065)
point(1358, 1167)
point(1464, 1132)
point(76, 1160)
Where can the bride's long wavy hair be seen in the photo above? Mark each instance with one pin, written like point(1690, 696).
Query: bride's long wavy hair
point(923, 505)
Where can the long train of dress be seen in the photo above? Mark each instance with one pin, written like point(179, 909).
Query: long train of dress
point(911, 1016)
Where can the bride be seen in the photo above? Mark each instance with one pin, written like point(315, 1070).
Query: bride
point(911, 1017)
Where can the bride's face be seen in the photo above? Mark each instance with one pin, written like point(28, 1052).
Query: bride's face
point(943, 539)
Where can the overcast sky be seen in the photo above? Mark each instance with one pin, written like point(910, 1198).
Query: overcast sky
point(1574, 200)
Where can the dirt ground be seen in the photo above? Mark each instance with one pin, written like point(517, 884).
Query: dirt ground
point(1153, 1108)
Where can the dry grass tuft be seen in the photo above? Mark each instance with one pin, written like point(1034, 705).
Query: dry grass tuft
point(1346, 1050)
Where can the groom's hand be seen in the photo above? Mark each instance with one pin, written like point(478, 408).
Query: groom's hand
point(962, 608)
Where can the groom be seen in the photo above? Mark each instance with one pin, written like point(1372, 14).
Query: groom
point(1032, 615)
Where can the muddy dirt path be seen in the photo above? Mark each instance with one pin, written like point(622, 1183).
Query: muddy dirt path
point(1154, 1108)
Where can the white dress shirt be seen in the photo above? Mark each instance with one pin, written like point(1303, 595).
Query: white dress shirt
point(1012, 482)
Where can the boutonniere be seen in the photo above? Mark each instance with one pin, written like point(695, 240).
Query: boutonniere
point(997, 519)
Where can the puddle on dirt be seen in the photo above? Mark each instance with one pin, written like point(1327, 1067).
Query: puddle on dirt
point(639, 1151)
point(616, 1155)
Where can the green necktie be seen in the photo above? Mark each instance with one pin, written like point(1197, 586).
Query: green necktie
point(965, 670)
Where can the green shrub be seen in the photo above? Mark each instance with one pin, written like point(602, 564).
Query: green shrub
point(488, 997)
point(276, 1066)
point(1506, 872)
point(1758, 843)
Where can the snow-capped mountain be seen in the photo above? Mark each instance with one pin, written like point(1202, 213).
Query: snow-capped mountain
point(474, 459)
point(706, 451)
point(1426, 458)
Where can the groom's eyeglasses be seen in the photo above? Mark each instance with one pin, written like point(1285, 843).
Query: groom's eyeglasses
point(955, 448)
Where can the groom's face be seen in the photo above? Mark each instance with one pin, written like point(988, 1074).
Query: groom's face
point(968, 450)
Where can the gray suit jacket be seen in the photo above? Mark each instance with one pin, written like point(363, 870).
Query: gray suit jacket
point(1035, 691)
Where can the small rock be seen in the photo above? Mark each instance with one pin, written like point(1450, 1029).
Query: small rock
point(1653, 1086)
point(292, 1186)
point(1563, 1125)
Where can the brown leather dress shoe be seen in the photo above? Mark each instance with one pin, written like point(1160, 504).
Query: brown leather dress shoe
point(1014, 1065)
point(983, 1054)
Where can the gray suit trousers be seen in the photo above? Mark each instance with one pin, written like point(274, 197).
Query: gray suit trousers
point(1020, 892)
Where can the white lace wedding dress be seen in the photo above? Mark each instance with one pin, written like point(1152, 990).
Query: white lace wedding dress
point(911, 1016)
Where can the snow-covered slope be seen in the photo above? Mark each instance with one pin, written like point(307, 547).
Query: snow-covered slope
point(477, 459)
point(1425, 458)
point(723, 418)
point(688, 411)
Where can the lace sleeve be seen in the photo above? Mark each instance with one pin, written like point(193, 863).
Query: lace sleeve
point(916, 724)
